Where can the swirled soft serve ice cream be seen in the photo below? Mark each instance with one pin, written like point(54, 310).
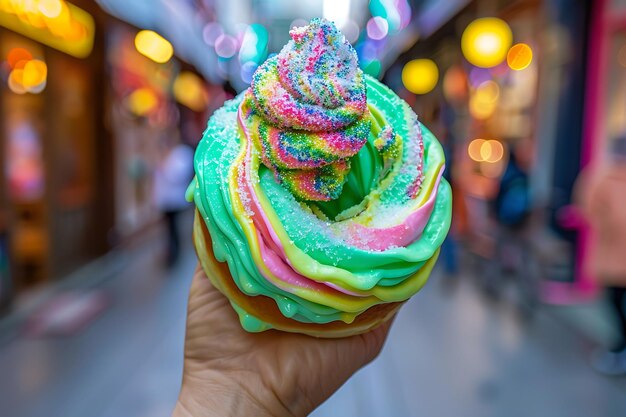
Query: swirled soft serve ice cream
point(320, 202)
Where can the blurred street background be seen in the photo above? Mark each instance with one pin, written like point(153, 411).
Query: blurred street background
point(102, 103)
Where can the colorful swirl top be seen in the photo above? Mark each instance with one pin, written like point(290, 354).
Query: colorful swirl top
point(308, 109)
point(374, 240)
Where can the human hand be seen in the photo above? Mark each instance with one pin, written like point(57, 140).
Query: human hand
point(229, 372)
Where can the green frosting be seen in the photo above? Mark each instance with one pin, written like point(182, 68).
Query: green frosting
point(369, 269)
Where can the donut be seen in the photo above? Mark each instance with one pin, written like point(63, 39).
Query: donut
point(321, 224)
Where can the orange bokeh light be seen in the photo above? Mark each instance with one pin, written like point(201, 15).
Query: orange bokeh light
point(519, 56)
point(491, 151)
point(18, 55)
point(474, 149)
point(27, 75)
point(481, 150)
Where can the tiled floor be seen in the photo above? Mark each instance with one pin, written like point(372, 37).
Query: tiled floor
point(450, 353)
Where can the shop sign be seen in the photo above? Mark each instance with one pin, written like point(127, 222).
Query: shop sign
point(55, 23)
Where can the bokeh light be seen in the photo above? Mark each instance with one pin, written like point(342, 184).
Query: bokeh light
point(377, 28)
point(486, 41)
point(484, 100)
point(189, 91)
point(27, 75)
point(211, 32)
point(481, 150)
point(35, 75)
point(404, 9)
point(397, 13)
point(142, 101)
point(473, 149)
point(61, 24)
point(50, 8)
point(455, 84)
point(247, 71)
point(154, 46)
point(488, 91)
point(519, 57)
point(17, 56)
point(225, 46)
point(491, 151)
point(367, 50)
point(15, 81)
point(420, 76)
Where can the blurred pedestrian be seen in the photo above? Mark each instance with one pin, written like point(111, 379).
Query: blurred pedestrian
point(511, 209)
point(512, 203)
point(446, 116)
point(171, 179)
point(604, 202)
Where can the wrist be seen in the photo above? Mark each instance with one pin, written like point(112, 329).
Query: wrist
point(225, 397)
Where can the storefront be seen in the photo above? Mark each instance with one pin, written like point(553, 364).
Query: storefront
point(529, 103)
point(605, 107)
point(86, 120)
point(151, 107)
point(143, 117)
point(55, 212)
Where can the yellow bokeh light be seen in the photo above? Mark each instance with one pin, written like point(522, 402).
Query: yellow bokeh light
point(484, 100)
point(35, 74)
point(481, 110)
point(38, 88)
point(519, 57)
point(28, 75)
point(50, 8)
point(474, 149)
point(73, 32)
point(189, 91)
point(142, 101)
point(60, 24)
point(488, 91)
point(420, 76)
point(32, 15)
point(486, 41)
point(154, 46)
